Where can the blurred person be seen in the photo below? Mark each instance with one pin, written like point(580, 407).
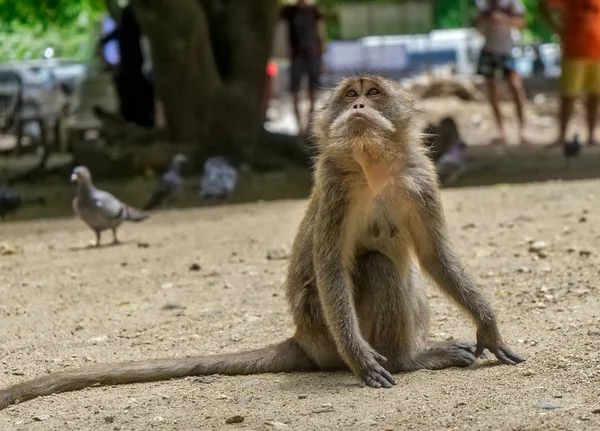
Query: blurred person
point(496, 20)
point(579, 29)
point(135, 90)
point(306, 37)
point(539, 67)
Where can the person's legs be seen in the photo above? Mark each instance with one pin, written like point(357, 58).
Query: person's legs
point(314, 75)
point(518, 92)
point(571, 84)
point(492, 90)
point(487, 67)
point(296, 68)
point(592, 88)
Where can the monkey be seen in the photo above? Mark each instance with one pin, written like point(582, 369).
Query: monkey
point(374, 220)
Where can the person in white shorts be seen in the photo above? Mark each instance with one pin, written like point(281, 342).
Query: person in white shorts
point(496, 20)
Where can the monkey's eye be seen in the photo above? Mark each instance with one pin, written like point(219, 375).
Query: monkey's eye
point(373, 92)
point(351, 93)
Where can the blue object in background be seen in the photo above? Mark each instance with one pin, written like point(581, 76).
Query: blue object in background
point(111, 48)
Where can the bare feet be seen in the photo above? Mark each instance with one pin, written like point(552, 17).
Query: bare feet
point(498, 140)
point(523, 140)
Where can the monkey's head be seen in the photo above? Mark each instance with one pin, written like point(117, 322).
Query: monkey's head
point(366, 112)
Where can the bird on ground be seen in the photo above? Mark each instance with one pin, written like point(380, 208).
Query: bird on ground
point(11, 201)
point(453, 162)
point(572, 148)
point(169, 183)
point(219, 178)
point(98, 209)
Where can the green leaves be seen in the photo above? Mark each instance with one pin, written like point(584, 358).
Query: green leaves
point(46, 13)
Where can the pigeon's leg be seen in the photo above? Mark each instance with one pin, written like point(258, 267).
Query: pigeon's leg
point(98, 233)
point(115, 239)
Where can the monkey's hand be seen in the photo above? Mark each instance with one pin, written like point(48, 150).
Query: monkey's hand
point(372, 373)
point(488, 337)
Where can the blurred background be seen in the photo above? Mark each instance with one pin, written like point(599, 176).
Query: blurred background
point(213, 81)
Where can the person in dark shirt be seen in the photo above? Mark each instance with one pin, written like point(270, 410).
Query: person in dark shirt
point(135, 90)
point(306, 49)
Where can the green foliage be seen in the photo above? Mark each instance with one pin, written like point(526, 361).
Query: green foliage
point(27, 27)
point(46, 13)
point(460, 13)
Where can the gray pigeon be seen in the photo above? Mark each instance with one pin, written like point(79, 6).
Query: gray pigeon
point(168, 184)
point(99, 209)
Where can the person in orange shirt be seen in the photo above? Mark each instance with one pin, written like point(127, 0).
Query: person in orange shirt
point(578, 24)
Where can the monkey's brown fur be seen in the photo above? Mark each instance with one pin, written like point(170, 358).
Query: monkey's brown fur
point(353, 282)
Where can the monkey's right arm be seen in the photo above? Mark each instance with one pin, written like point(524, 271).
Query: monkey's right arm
point(438, 258)
point(332, 262)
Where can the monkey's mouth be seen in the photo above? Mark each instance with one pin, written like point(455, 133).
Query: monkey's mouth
point(359, 116)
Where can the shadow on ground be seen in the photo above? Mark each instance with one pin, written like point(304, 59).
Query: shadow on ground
point(486, 165)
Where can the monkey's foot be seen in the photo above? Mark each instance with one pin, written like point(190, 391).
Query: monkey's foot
point(469, 346)
point(374, 375)
point(440, 358)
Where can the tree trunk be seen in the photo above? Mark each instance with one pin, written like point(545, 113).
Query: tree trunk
point(209, 59)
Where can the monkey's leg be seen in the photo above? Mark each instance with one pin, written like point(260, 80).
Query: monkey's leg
point(286, 356)
point(385, 307)
point(394, 317)
point(98, 234)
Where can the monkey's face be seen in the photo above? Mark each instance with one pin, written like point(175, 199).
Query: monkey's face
point(364, 111)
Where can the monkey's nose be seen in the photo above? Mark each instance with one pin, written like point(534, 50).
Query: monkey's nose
point(358, 106)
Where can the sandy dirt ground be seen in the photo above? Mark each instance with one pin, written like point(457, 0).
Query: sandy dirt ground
point(65, 306)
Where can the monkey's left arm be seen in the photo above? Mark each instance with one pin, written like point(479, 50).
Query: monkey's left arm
point(437, 257)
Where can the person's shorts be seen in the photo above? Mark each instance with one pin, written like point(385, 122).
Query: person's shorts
point(490, 64)
point(580, 76)
point(305, 65)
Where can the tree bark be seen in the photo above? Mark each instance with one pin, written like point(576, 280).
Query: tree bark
point(209, 60)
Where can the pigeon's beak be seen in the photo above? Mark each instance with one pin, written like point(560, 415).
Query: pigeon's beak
point(73, 178)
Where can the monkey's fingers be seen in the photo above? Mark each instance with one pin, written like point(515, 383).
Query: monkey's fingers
point(507, 356)
point(378, 377)
point(479, 350)
point(379, 358)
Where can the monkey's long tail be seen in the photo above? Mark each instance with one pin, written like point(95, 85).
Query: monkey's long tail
point(283, 357)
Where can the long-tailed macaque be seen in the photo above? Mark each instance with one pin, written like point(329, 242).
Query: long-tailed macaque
point(374, 220)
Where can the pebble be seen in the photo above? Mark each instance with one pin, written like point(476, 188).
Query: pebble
point(302, 396)
point(245, 399)
point(98, 340)
point(277, 254)
point(537, 246)
point(528, 373)
point(172, 307)
point(167, 286)
point(595, 332)
point(585, 253)
point(547, 405)
point(41, 418)
point(325, 408)
point(8, 249)
point(195, 267)
point(277, 426)
point(206, 379)
point(237, 419)
point(367, 422)
point(596, 411)
point(109, 419)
